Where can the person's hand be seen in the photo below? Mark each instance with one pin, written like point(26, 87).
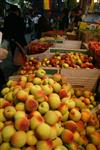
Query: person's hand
point(3, 53)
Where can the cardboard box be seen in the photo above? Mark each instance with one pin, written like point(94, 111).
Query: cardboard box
point(85, 78)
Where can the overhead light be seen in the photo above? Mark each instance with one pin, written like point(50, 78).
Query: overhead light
point(78, 1)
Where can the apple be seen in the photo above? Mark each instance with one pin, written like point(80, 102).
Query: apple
point(44, 145)
point(43, 107)
point(20, 106)
point(56, 87)
point(31, 138)
point(22, 95)
point(74, 114)
point(9, 112)
point(7, 132)
point(54, 100)
point(22, 124)
point(35, 121)
point(40, 73)
point(47, 89)
point(18, 139)
point(51, 117)
point(37, 81)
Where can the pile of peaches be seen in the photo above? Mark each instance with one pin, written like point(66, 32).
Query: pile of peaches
point(68, 60)
point(38, 112)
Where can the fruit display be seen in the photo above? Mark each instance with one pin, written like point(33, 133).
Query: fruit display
point(73, 60)
point(54, 33)
point(68, 60)
point(45, 113)
point(35, 47)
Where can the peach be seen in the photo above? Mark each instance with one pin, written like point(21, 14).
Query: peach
point(22, 95)
point(19, 115)
point(91, 146)
point(85, 116)
point(94, 120)
point(20, 106)
point(95, 138)
point(5, 146)
point(18, 139)
point(29, 148)
point(22, 124)
point(87, 93)
point(54, 100)
point(83, 140)
point(35, 88)
point(9, 112)
point(22, 83)
point(63, 93)
point(5, 90)
point(7, 132)
point(37, 81)
point(56, 87)
point(57, 141)
point(57, 77)
point(53, 134)
point(98, 147)
point(43, 131)
point(80, 125)
point(90, 130)
point(47, 89)
point(2, 117)
point(4, 103)
point(71, 125)
point(61, 147)
point(36, 121)
point(73, 146)
point(30, 77)
point(74, 114)
point(59, 128)
point(76, 136)
point(1, 125)
point(51, 117)
point(13, 148)
point(44, 145)
point(65, 116)
point(67, 136)
point(31, 105)
point(62, 108)
point(43, 107)
point(31, 138)
point(40, 96)
point(9, 96)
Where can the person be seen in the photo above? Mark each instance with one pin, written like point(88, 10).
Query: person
point(64, 21)
point(3, 55)
point(14, 28)
point(43, 25)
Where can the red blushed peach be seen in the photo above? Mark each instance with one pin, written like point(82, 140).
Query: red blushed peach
point(67, 136)
point(22, 124)
point(22, 84)
point(22, 95)
point(86, 101)
point(18, 139)
point(44, 145)
point(34, 114)
point(29, 84)
point(31, 105)
point(80, 125)
point(71, 125)
point(73, 146)
point(85, 116)
point(63, 93)
point(95, 138)
point(62, 108)
point(40, 96)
